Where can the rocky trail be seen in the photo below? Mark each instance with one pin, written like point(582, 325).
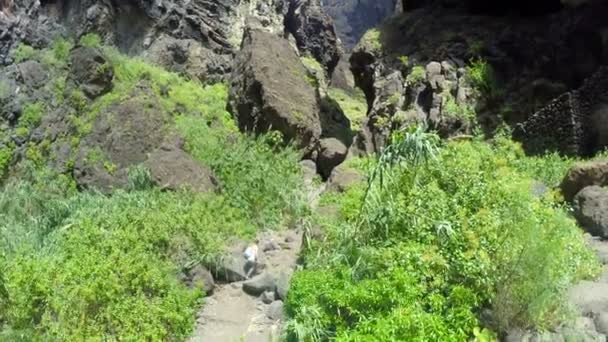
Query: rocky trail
point(251, 310)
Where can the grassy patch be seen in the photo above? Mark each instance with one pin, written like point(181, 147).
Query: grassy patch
point(354, 106)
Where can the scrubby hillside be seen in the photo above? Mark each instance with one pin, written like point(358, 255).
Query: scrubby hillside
point(90, 265)
point(219, 170)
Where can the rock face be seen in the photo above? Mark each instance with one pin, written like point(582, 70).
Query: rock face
point(270, 88)
point(314, 32)
point(583, 175)
point(591, 210)
point(343, 177)
point(196, 37)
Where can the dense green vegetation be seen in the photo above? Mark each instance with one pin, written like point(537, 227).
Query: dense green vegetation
point(438, 235)
point(445, 242)
point(87, 266)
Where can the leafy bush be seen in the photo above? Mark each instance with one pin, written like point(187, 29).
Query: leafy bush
point(458, 110)
point(481, 75)
point(23, 52)
point(90, 40)
point(434, 241)
point(373, 39)
point(32, 115)
point(418, 74)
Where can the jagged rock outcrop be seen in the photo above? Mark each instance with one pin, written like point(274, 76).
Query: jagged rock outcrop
point(529, 62)
point(270, 89)
point(197, 38)
point(314, 32)
point(574, 123)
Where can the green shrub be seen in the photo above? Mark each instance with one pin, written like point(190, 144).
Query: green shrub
point(90, 40)
point(418, 74)
point(483, 78)
point(254, 174)
point(23, 52)
point(32, 115)
point(461, 111)
point(433, 242)
point(372, 39)
point(6, 156)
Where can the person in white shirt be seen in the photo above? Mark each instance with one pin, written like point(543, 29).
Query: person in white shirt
point(251, 255)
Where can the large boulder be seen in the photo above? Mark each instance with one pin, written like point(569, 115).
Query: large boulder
point(332, 153)
point(271, 89)
point(591, 210)
point(257, 285)
point(91, 71)
point(171, 168)
point(583, 175)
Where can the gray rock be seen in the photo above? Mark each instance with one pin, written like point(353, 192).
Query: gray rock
point(604, 275)
point(174, 169)
point(275, 311)
point(282, 283)
point(33, 74)
point(260, 284)
point(591, 210)
point(309, 168)
point(342, 77)
point(589, 297)
point(269, 89)
point(599, 246)
point(230, 268)
point(583, 175)
point(601, 322)
point(269, 245)
point(91, 71)
point(331, 154)
point(201, 277)
point(343, 177)
point(268, 297)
